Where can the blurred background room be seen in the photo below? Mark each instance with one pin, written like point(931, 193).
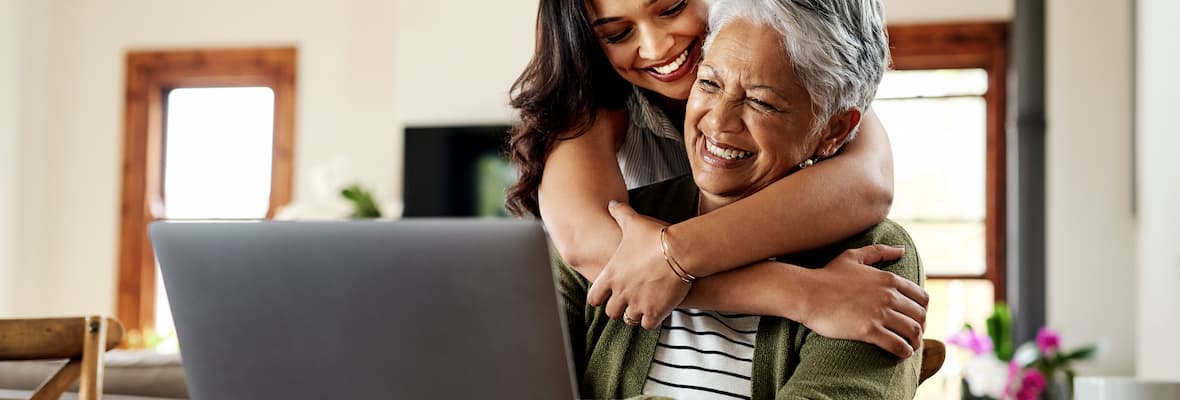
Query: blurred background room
point(1035, 162)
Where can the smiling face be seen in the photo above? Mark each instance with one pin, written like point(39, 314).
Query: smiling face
point(749, 120)
point(654, 44)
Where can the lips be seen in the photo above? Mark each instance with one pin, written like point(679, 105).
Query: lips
point(679, 67)
point(727, 153)
point(723, 155)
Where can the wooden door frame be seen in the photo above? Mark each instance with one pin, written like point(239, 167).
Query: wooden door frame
point(150, 75)
point(971, 45)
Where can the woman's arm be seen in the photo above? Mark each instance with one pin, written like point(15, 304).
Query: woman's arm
point(581, 176)
point(830, 201)
point(847, 299)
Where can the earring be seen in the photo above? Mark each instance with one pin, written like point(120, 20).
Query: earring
point(806, 163)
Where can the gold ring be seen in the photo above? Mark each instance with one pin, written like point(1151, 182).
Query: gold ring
point(628, 320)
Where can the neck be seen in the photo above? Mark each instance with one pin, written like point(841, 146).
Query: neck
point(707, 203)
point(672, 108)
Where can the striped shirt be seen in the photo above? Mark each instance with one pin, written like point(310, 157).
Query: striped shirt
point(653, 149)
point(703, 355)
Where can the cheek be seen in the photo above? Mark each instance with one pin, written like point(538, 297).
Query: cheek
point(694, 111)
point(696, 18)
point(617, 56)
point(784, 144)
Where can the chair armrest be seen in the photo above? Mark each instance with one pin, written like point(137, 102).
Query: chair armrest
point(50, 338)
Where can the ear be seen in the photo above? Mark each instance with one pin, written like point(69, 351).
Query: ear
point(839, 128)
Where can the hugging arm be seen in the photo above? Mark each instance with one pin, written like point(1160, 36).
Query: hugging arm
point(840, 369)
point(582, 175)
point(832, 200)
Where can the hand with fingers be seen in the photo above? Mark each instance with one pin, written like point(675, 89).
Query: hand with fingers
point(853, 300)
point(638, 285)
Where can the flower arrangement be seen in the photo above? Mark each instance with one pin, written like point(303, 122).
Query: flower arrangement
point(1040, 369)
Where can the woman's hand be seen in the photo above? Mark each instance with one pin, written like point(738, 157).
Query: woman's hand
point(637, 284)
point(852, 300)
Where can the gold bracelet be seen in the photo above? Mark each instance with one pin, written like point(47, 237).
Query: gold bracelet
point(672, 263)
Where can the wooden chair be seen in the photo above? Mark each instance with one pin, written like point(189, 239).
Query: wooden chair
point(933, 354)
point(82, 340)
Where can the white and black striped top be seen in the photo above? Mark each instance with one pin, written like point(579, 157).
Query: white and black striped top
point(703, 355)
point(653, 149)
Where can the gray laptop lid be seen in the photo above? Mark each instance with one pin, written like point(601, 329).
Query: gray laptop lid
point(412, 309)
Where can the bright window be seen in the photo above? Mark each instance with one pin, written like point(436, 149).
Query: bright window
point(937, 122)
point(943, 106)
point(217, 164)
point(217, 152)
point(209, 134)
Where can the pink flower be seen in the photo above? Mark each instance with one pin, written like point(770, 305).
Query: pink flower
point(1048, 341)
point(1031, 386)
point(1009, 384)
point(978, 343)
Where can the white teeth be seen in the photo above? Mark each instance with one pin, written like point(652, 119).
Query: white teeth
point(674, 65)
point(726, 153)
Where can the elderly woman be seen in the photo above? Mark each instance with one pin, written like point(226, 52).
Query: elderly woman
point(781, 87)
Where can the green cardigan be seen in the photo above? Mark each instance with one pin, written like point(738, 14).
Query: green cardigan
point(790, 361)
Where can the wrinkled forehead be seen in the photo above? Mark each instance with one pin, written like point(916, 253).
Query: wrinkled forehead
point(749, 48)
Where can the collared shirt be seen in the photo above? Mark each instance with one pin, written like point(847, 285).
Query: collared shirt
point(653, 150)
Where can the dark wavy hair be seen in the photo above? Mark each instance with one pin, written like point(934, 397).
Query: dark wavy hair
point(567, 80)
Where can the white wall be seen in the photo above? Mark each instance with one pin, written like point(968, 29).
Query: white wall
point(23, 60)
point(457, 60)
point(916, 11)
point(11, 13)
point(1090, 228)
point(345, 103)
point(1158, 142)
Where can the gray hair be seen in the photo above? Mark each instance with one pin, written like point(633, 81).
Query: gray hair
point(838, 48)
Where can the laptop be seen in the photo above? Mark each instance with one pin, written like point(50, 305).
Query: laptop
point(412, 309)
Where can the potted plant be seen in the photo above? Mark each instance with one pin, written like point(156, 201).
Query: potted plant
point(1039, 369)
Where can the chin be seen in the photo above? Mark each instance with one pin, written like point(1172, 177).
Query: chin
point(717, 187)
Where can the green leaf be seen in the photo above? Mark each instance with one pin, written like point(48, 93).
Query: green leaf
point(999, 328)
point(362, 202)
point(1084, 353)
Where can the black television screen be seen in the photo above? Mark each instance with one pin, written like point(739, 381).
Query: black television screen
point(456, 171)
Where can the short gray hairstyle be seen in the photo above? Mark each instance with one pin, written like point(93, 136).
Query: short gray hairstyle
point(838, 48)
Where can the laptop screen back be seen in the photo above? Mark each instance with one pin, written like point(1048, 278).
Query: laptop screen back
point(408, 309)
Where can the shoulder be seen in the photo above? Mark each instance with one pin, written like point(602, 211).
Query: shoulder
point(891, 233)
point(887, 232)
point(610, 123)
point(612, 116)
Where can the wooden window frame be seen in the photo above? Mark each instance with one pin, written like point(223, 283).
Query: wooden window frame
point(970, 45)
point(150, 75)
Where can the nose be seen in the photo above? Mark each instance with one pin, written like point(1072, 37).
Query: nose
point(654, 44)
point(722, 117)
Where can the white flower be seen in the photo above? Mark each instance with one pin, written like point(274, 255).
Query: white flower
point(986, 375)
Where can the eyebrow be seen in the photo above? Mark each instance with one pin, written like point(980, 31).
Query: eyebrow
point(772, 89)
point(607, 20)
point(604, 21)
